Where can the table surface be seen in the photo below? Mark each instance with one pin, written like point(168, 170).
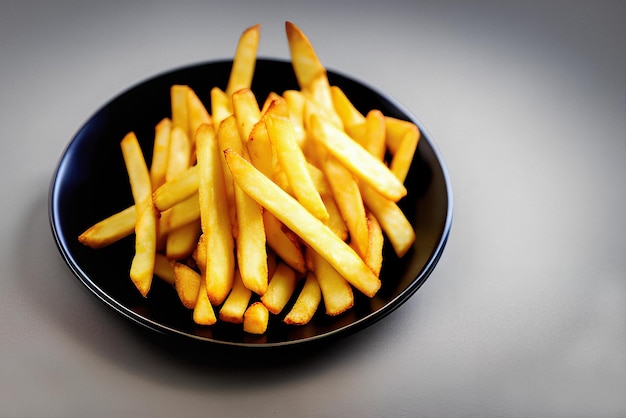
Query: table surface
point(525, 314)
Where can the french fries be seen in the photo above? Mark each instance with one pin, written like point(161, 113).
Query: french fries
point(253, 209)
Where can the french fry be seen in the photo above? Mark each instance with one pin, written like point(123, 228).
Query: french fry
point(306, 64)
point(394, 223)
point(402, 146)
point(250, 237)
point(255, 319)
point(335, 219)
point(186, 212)
point(244, 61)
point(180, 241)
point(280, 288)
point(376, 240)
point(284, 242)
point(336, 291)
point(236, 303)
point(246, 110)
point(221, 106)
point(349, 202)
point(310, 229)
point(260, 149)
point(203, 312)
point(142, 266)
point(164, 270)
point(111, 229)
point(348, 113)
point(160, 153)
point(181, 187)
point(306, 304)
point(363, 165)
point(214, 218)
point(374, 135)
point(180, 114)
point(295, 103)
point(290, 156)
point(187, 284)
point(198, 115)
point(228, 137)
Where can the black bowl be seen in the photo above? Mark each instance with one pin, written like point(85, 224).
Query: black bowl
point(91, 183)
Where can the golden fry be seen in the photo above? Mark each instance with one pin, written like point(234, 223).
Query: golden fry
point(214, 218)
point(349, 202)
point(187, 283)
point(256, 318)
point(365, 167)
point(280, 288)
point(307, 303)
point(181, 187)
point(203, 312)
point(236, 303)
point(290, 156)
point(336, 291)
point(160, 153)
point(142, 266)
point(111, 229)
point(244, 61)
point(394, 223)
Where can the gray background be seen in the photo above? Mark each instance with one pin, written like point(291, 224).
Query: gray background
point(524, 316)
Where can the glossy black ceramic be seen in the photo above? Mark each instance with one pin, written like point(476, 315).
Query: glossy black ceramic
point(91, 183)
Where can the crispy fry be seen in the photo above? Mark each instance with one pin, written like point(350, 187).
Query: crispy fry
point(374, 135)
point(187, 283)
point(374, 256)
point(393, 222)
point(180, 241)
point(365, 167)
point(244, 61)
point(290, 156)
point(203, 312)
point(256, 318)
point(142, 266)
point(164, 270)
point(306, 64)
point(236, 303)
point(198, 115)
point(402, 144)
point(306, 304)
point(336, 291)
point(250, 237)
point(160, 153)
point(284, 242)
point(180, 114)
point(349, 202)
point(187, 211)
point(111, 229)
point(181, 187)
point(214, 218)
point(280, 288)
point(295, 103)
point(221, 106)
point(310, 229)
point(349, 114)
point(246, 110)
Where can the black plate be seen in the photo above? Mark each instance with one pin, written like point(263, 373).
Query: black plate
point(91, 183)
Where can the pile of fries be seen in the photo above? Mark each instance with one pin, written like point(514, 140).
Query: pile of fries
point(252, 210)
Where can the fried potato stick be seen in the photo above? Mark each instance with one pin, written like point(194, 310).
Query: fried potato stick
point(142, 266)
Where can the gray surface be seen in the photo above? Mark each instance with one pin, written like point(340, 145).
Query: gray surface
point(525, 314)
